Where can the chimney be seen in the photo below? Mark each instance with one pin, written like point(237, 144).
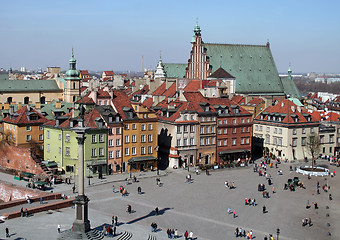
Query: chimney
point(11, 110)
point(58, 104)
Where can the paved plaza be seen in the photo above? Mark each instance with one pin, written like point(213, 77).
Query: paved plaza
point(200, 207)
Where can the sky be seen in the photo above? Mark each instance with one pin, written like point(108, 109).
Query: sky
point(117, 35)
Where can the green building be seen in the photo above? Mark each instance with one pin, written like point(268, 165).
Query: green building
point(61, 146)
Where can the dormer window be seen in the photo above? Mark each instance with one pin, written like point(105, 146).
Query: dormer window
point(296, 119)
point(110, 118)
point(237, 110)
point(308, 119)
point(207, 108)
point(261, 117)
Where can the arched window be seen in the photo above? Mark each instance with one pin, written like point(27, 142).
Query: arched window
point(42, 100)
point(26, 100)
point(74, 98)
point(74, 85)
point(9, 100)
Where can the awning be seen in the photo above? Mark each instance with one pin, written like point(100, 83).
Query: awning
point(51, 164)
point(40, 183)
point(27, 174)
point(234, 151)
point(141, 159)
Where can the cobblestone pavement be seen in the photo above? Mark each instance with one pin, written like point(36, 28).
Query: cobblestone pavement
point(200, 207)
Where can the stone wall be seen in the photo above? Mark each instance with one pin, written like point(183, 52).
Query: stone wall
point(18, 158)
point(10, 192)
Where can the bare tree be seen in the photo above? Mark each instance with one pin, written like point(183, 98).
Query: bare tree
point(313, 146)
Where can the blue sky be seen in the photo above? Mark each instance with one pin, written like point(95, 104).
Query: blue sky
point(114, 35)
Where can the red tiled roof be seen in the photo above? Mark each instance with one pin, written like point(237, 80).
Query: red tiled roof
point(195, 98)
point(144, 90)
point(289, 108)
point(148, 102)
point(256, 101)
point(86, 79)
point(238, 99)
point(84, 72)
point(82, 89)
point(86, 100)
point(103, 94)
point(21, 117)
point(193, 86)
point(227, 102)
point(109, 73)
point(121, 99)
point(171, 91)
point(160, 90)
point(221, 73)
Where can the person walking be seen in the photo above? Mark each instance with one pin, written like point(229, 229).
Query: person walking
point(157, 211)
point(234, 214)
point(7, 233)
point(139, 190)
point(58, 228)
point(191, 235)
point(264, 209)
point(236, 232)
point(114, 230)
point(73, 189)
point(116, 220)
point(22, 212)
point(113, 220)
point(41, 200)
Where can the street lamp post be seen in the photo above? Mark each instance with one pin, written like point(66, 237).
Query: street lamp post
point(89, 177)
point(74, 175)
point(277, 233)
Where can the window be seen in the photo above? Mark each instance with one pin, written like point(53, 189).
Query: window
point(331, 138)
point(142, 150)
point(28, 138)
point(118, 154)
point(267, 138)
point(322, 138)
point(280, 130)
point(202, 141)
point(67, 152)
point(275, 130)
point(149, 138)
point(338, 139)
point(48, 134)
point(242, 129)
point(312, 130)
point(274, 140)
point(339, 130)
point(202, 119)
point(225, 142)
point(242, 141)
point(192, 117)
point(40, 128)
point(59, 136)
point(261, 128)
point(202, 130)
point(149, 149)
point(207, 141)
point(178, 129)
point(185, 117)
point(110, 142)
point(118, 142)
point(134, 127)
point(294, 142)
point(117, 130)
point(126, 151)
point(207, 129)
point(41, 137)
point(234, 130)
point(256, 127)
point(101, 138)
point(192, 128)
point(67, 137)
point(279, 141)
point(224, 121)
point(48, 149)
point(330, 149)
point(59, 150)
point(110, 154)
point(110, 130)
point(101, 152)
point(220, 143)
point(248, 120)
point(142, 137)
point(303, 141)
point(150, 126)
point(212, 140)
point(234, 121)
point(247, 140)
point(127, 139)
point(234, 141)
point(185, 128)
point(28, 128)
point(294, 131)
point(185, 142)
point(133, 151)
point(267, 129)
point(133, 139)
point(94, 138)
point(242, 120)
point(219, 131)
point(225, 131)
point(178, 142)
point(219, 122)
point(303, 130)
point(191, 141)
point(143, 127)
point(94, 152)
point(126, 127)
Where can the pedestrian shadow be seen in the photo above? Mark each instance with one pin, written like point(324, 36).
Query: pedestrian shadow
point(152, 213)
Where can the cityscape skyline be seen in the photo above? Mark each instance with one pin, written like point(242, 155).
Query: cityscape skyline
point(118, 35)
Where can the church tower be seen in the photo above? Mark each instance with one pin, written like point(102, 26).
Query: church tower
point(160, 70)
point(72, 82)
point(198, 65)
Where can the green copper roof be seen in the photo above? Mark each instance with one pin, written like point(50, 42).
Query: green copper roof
point(290, 88)
point(29, 86)
point(175, 70)
point(252, 66)
point(296, 101)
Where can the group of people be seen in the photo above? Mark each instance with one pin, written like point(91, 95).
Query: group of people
point(24, 213)
point(123, 191)
point(172, 233)
point(239, 232)
point(250, 202)
point(154, 227)
point(230, 186)
point(114, 220)
point(110, 231)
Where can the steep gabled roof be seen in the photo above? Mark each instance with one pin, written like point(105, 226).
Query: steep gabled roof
point(160, 90)
point(103, 94)
point(196, 99)
point(109, 73)
point(171, 91)
point(22, 116)
point(193, 86)
point(238, 99)
point(148, 102)
point(142, 91)
point(121, 100)
point(221, 73)
point(255, 101)
point(86, 100)
point(229, 103)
